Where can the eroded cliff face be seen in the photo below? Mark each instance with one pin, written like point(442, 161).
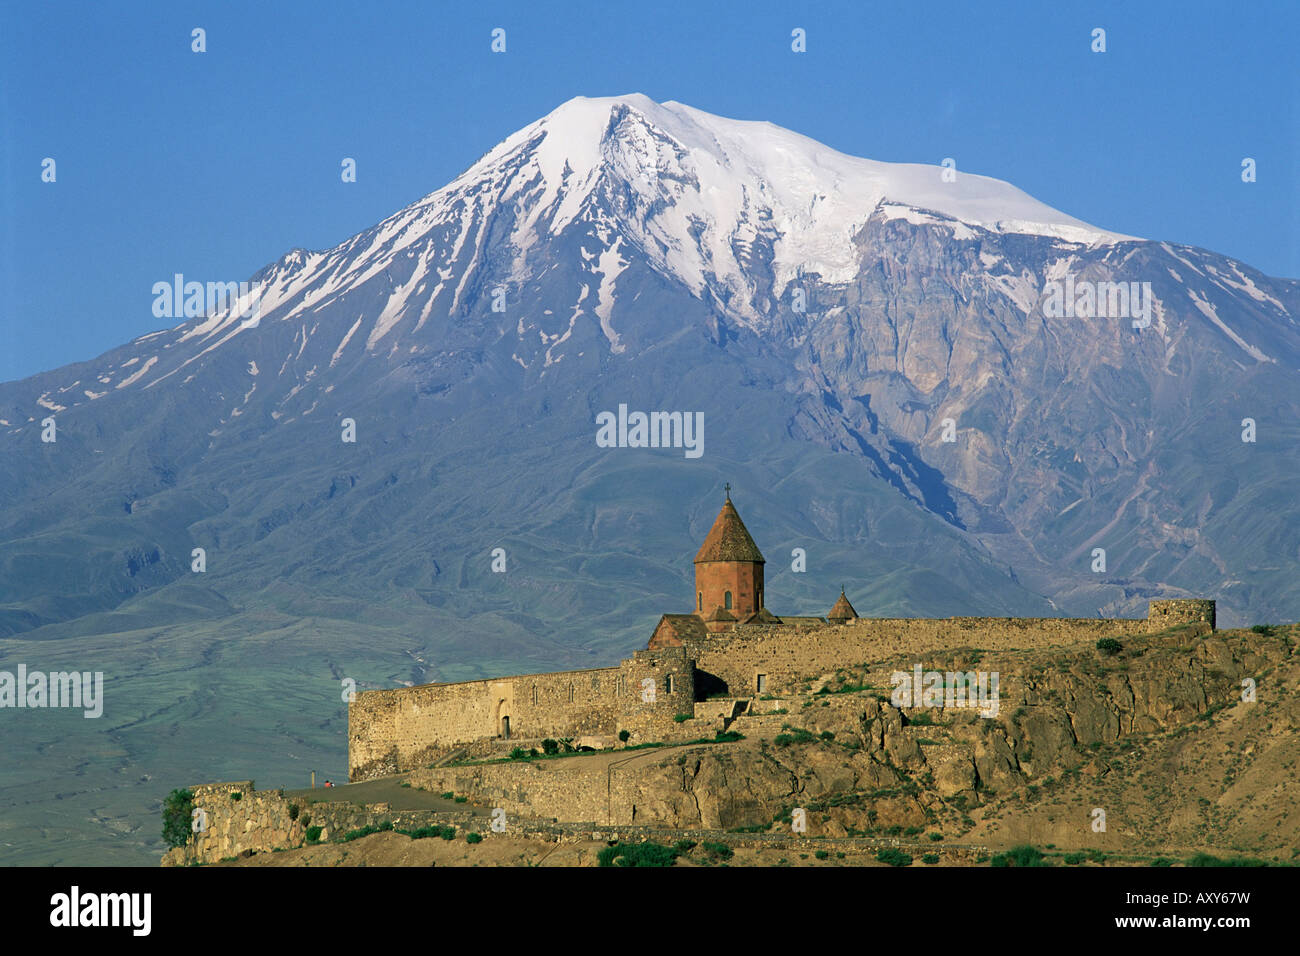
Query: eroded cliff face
point(1155, 736)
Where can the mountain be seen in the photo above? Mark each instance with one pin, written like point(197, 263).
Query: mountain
point(831, 319)
point(654, 255)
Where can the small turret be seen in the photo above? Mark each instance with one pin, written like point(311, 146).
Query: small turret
point(843, 611)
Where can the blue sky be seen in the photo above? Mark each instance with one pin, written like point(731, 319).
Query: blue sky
point(214, 164)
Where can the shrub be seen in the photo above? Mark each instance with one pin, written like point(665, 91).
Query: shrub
point(681, 717)
point(936, 836)
point(894, 857)
point(366, 831)
point(473, 838)
point(1109, 646)
point(684, 846)
point(236, 795)
point(461, 799)
point(827, 735)
point(1162, 861)
point(1096, 856)
point(636, 854)
point(822, 854)
point(1264, 629)
point(719, 851)
point(1073, 859)
point(1020, 856)
point(930, 858)
point(448, 795)
point(294, 810)
point(313, 834)
point(783, 740)
point(911, 831)
point(550, 746)
point(177, 814)
point(518, 753)
point(624, 735)
point(1204, 859)
point(423, 833)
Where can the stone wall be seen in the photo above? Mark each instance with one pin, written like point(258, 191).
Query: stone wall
point(260, 822)
point(394, 730)
point(1166, 614)
point(731, 663)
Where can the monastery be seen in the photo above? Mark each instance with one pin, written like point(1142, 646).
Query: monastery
point(730, 655)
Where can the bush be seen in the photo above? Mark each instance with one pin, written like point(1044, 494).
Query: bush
point(550, 746)
point(783, 740)
point(636, 854)
point(366, 831)
point(1073, 859)
point(894, 857)
point(294, 810)
point(236, 795)
point(822, 854)
point(423, 833)
point(1204, 859)
point(313, 834)
point(177, 814)
point(827, 735)
point(462, 799)
point(684, 846)
point(679, 718)
point(448, 795)
point(936, 836)
point(624, 735)
point(930, 858)
point(1162, 861)
point(1020, 856)
point(473, 838)
point(1109, 646)
point(719, 851)
point(518, 753)
point(1264, 629)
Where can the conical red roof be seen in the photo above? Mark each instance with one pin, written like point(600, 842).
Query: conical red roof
point(728, 540)
point(843, 610)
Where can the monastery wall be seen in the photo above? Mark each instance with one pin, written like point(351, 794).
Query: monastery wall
point(784, 655)
point(394, 730)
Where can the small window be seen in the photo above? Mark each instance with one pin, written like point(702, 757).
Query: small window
point(668, 684)
point(534, 693)
point(699, 600)
point(727, 599)
point(570, 692)
point(762, 683)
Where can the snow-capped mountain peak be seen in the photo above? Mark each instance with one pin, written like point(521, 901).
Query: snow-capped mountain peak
point(682, 171)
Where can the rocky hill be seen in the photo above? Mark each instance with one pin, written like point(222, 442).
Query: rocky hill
point(1156, 735)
